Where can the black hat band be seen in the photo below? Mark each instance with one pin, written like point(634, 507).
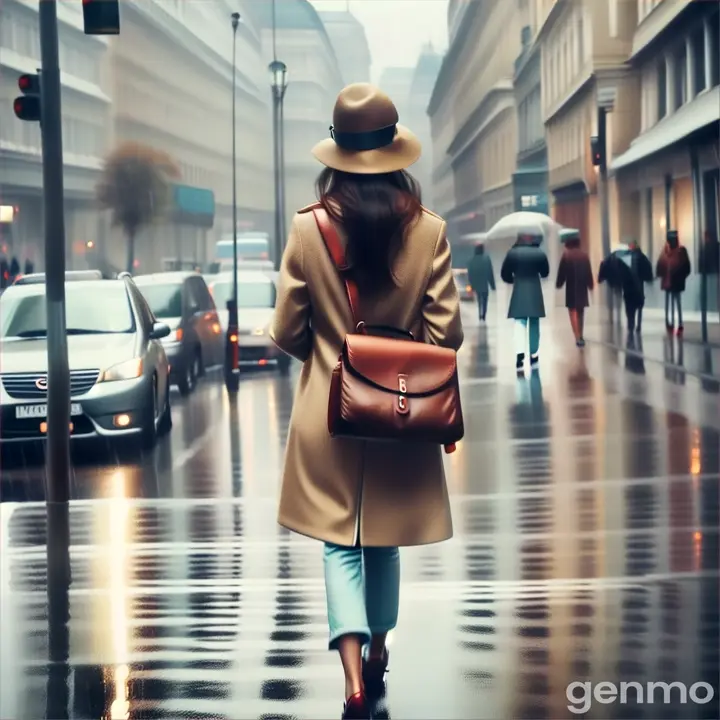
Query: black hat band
point(372, 140)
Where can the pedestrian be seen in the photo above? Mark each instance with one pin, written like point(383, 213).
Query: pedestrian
point(610, 273)
point(482, 278)
point(362, 499)
point(673, 269)
point(636, 272)
point(14, 269)
point(575, 274)
point(29, 266)
point(523, 267)
point(4, 272)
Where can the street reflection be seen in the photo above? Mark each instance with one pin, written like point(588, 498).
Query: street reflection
point(586, 548)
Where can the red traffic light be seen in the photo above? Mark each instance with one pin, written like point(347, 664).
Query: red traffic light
point(29, 84)
point(27, 108)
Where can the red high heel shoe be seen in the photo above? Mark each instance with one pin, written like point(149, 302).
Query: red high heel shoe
point(357, 708)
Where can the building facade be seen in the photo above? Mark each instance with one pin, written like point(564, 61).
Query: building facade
point(87, 130)
point(349, 42)
point(396, 82)
point(314, 81)
point(171, 75)
point(584, 46)
point(421, 87)
point(669, 176)
point(472, 115)
point(530, 191)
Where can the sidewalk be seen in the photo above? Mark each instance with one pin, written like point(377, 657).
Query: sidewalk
point(654, 319)
point(687, 353)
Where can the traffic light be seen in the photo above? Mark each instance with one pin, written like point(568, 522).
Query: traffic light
point(597, 150)
point(27, 106)
point(101, 17)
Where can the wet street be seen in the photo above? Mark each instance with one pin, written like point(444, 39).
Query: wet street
point(585, 502)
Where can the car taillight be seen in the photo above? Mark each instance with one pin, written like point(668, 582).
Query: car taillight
point(179, 335)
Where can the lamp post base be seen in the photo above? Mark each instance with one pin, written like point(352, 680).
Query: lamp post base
point(231, 366)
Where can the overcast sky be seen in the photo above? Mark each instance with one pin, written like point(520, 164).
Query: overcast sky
point(396, 29)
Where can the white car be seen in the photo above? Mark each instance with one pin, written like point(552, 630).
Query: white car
point(256, 306)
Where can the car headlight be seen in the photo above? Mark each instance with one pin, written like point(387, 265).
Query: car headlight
point(259, 331)
point(128, 370)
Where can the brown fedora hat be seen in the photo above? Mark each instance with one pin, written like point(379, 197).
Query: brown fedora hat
point(365, 137)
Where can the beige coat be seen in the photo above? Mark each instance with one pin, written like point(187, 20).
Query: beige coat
point(391, 493)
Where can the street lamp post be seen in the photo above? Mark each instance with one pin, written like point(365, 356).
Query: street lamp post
point(278, 83)
point(232, 359)
point(58, 376)
point(606, 96)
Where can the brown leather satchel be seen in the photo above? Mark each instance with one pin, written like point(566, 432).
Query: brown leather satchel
point(389, 388)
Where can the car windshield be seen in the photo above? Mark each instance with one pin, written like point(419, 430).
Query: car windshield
point(251, 249)
point(250, 294)
point(90, 308)
point(164, 300)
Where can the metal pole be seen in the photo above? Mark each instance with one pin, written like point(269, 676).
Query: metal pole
point(58, 380)
point(668, 205)
point(234, 170)
point(278, 190)
point(232, 359)
point(281, 146)
point(603, 186)
point(701, 252)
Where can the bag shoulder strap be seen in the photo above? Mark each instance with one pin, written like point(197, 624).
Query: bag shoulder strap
point(337, 253)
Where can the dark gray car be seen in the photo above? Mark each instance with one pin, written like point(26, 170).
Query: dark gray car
point(182, 301)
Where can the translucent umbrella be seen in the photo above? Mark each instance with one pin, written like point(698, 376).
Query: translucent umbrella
point(527, 223)
point(568, 234)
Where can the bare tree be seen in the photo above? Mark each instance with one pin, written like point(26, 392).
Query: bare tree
point(136, 186)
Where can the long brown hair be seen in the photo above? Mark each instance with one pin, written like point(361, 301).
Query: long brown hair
point(375, 211)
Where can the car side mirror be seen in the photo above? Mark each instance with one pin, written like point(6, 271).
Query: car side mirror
point(159, 331)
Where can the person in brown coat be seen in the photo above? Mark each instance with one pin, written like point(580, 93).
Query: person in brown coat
point(673, 269)
point(363, 499)
point(575, 274)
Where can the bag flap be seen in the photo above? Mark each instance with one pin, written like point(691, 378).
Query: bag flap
point(380, 360)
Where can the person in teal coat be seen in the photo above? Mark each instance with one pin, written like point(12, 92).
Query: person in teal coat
point(523, 268)
point(481, 278)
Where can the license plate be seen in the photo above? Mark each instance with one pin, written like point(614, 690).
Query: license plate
point(23, 412)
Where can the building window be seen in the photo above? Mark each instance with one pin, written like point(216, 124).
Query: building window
point(661, 89)
point(697, 45)
point(713, 50)
point(680, 87)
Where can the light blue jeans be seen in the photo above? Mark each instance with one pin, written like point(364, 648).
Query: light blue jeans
point(363, 590)
point(523, 327)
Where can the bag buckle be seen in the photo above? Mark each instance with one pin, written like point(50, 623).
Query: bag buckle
point(403, 407)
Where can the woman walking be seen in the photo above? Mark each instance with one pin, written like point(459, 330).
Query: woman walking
point(363, 499)
point(575, 273)
point(523, 267)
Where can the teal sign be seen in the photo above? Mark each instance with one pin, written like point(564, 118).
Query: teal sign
point(193, 206)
